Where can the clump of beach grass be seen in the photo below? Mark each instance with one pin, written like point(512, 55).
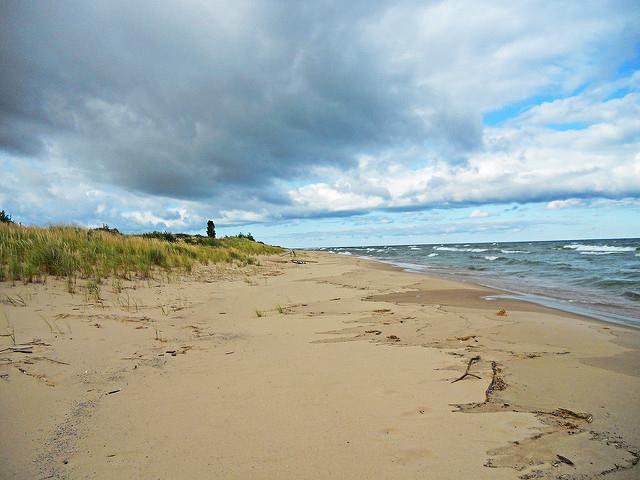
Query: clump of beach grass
point(30, 254)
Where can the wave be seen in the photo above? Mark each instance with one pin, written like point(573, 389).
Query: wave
point(491, 258)
point(632, 295)
point(515, 251)
point(615, 283)
point(598, 248)
point(454, 249)
point(598, 253)
point(344, 253)
point(432, 255)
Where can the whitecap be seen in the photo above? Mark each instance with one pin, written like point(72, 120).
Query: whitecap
point(488, 257)
point(598, 248)
point(597, 253)
point(432, 255)
point(454, 249)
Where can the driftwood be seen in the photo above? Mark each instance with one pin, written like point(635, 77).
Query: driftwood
point(466, 372)
point(565, 460)
point(566, 413)
point(17, 349)
point(52, 360)
point(299, 262)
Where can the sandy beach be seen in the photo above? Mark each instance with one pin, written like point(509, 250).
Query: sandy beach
point(333, 368)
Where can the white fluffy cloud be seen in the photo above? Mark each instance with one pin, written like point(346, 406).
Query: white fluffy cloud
point(478, 214)
point(558, 204)
point(527, 159)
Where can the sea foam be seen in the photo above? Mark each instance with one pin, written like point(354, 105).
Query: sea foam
point(598, 248)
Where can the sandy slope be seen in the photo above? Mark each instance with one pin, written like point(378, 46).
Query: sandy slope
point(338, 368)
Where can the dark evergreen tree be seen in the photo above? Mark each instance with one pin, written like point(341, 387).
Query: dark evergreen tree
point(211, 229)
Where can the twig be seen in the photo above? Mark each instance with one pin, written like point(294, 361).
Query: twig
point(53, 360)
point(564, 459)
point(17, 350)
point(466, 373)
point(566, 413)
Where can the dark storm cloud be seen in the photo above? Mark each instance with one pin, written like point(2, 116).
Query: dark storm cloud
point(189, 99)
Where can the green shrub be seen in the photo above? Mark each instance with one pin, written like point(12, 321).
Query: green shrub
point(166, 236)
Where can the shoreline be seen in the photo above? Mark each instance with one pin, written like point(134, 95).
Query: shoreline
point(337, 367)
point(559, 304)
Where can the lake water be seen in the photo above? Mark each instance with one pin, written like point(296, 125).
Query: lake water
point(598, 278)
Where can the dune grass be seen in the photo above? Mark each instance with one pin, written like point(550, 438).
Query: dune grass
point(31, 253)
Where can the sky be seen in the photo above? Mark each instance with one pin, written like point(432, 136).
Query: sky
point(324, 123)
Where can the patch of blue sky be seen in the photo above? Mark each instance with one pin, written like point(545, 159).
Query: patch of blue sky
point(619, 93)
point(512, 110)
point(568, 126)
point(630, 66)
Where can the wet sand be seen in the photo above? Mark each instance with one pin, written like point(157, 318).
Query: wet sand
point(336, 368)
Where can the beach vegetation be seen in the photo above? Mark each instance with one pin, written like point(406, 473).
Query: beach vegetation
point(5, 217)
point(107, 229)
point(30, 254)
point(166, 236)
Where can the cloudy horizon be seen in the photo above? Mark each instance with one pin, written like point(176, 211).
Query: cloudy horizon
point(324, 124)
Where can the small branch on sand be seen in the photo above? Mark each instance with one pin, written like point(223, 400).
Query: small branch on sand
point(299, 262)
point(564, 459)
point(466, 373)
point(17, 349)
point(52, 360)
point(567, 414)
